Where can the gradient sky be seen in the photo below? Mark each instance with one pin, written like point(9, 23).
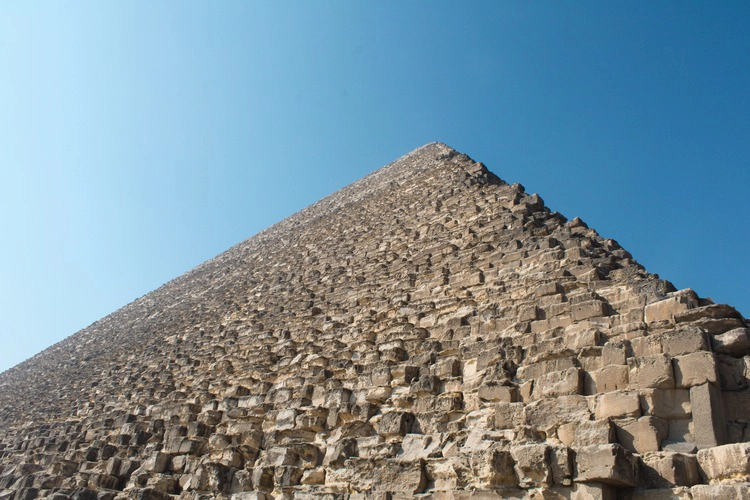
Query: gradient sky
point(138, 139)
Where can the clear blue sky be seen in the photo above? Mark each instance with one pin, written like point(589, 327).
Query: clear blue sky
point(138, 139)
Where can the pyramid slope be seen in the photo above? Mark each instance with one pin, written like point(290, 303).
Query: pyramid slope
point(426, 329)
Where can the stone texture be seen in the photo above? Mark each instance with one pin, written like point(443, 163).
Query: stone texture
point(429, 330)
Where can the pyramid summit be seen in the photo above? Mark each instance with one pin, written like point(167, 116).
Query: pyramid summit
point(429, 330)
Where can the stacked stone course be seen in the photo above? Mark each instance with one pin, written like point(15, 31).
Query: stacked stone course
point(427, 331)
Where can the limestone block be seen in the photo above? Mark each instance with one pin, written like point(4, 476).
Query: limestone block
point(651, 372)
point(613, 353)
point(610, 378)
point(593, 432)
point(446, 368)
point(338, 451)
point(665, 310)
point(262, 479)
point(314, 476)
point(618, 404)
point(508, 415)
point(532, 465)
point(610, 464)
point(684, 340)
point(587, 310)
point(676, 493)
point(695, 369)
point(561, 464)
point(666, 469)
point(395, 424)
point(535, 371)
point(727, 463)
point(561, 383)
point(552, 412)
point(491, 467)
point(722, 491)
point(420, 446)
point(378, 476)
point(158, 462)
point(666, 403)
point(731, 373)
point(496, 392)
point(735, 342)
point(642, 435)
point(644, 346)
point(286, 419)
point(593, 491)
point(709, 424)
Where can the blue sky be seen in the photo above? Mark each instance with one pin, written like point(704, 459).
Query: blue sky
point(138, 139)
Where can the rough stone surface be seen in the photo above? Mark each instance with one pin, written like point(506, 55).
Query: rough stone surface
point(429, 330)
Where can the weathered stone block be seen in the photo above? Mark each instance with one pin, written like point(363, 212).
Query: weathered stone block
point(709, 424)
point(532, 465)
point(734, 342)
point(495, 392)
point(684, 340)
point(378, 475)
point(666, 469)
point(556, 411)
point(593, 432)
point(727, 463)
point(642, 435)
point(665, 310)
point(610, 464)
point(722, 491)
point(395, 424)
point(560, 383)
point(651, 372)
point(610, 378)
point(695, 369)
point(618, 404)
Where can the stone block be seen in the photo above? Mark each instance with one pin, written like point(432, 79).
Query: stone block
point(593, 432)
point(561, 464)
point(609, 464)
point(395, 424)
point(722, 491)
point(709, 424)
point(158, 462)
point(684, 340)
point(735, 342)
point(665, 310)
point(561, 383)
point(419, 446)
point(651, 372)
point(695, 369)
point(613, 353)
point(666, 469)
point(378, 476)
point(642, 435)
point(508, 415)
point(731, 373)
point(587, 310)
point(618, 404)
point(610, 378)
point(552, 412)
point(726, 463)
point(644, 346)
point(496, 392)
point(532, 465)
point(666, 403)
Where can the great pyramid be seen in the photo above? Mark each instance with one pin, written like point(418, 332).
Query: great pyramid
point(427, 331)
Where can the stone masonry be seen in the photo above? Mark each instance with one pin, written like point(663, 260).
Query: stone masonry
point(428, 331)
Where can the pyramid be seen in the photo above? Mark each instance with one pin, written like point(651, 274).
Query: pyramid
point(428, 331)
